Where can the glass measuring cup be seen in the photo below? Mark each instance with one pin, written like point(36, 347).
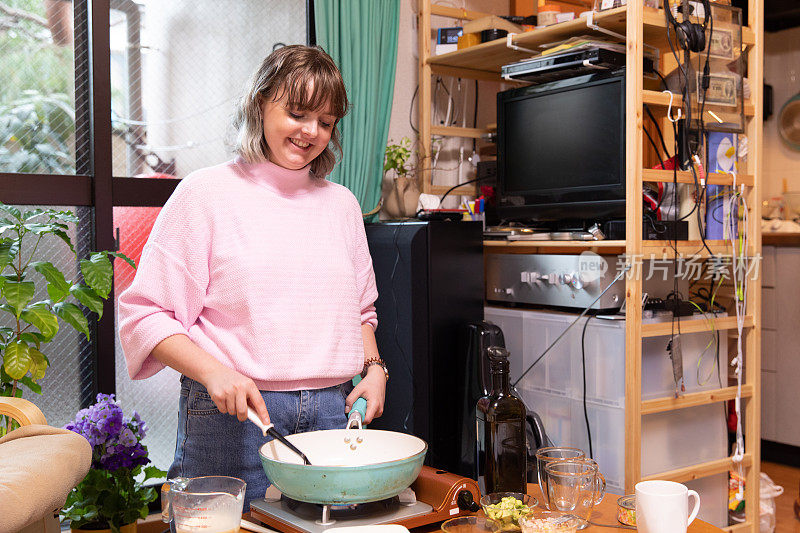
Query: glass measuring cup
point(207, 504)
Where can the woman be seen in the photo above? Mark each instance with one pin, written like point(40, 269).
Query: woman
point(256, 282)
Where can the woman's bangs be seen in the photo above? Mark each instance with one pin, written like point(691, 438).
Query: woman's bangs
point(327, 95)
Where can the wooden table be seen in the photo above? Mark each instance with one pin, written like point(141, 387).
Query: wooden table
point(604, 513)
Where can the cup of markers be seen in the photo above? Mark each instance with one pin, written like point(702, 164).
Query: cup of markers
point(475, 209)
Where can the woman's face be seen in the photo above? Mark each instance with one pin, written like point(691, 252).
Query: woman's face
point(295, 137)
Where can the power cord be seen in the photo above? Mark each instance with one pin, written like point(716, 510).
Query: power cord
point(622, 272)
point(395, 306)
point(583, 366)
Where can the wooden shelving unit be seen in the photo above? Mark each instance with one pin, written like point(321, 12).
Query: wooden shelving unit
point(642, 27)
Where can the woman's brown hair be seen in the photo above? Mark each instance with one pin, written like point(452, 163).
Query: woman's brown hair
point(290, 71)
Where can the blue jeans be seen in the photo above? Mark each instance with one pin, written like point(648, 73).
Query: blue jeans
point(214, 443)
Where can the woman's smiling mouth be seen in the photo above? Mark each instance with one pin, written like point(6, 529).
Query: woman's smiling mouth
point(299, 143)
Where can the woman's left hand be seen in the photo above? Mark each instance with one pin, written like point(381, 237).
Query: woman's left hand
point(373, 389)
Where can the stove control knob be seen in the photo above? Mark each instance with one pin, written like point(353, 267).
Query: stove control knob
point(466, 502)
point(553, 279)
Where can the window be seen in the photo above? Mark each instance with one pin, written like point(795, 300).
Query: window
point(161, 89)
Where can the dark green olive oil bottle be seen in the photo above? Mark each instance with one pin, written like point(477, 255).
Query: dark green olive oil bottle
point(502, 451)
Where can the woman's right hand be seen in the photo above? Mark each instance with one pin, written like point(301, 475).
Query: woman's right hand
point(232, 392)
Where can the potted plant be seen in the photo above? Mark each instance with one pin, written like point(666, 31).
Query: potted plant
point(403, 195)
point(38, 297)
point(110, 497)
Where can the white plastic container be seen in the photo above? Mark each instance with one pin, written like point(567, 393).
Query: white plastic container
point(554, 389)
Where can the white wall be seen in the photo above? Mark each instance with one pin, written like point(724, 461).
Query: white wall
point(782, 71)
point(406, 79)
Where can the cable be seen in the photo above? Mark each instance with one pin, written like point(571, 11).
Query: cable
point(673, 240)
point(706, 72)
point(583, 365)
point(475, 117)
point(739, 263)
point(653, 144)
point(395, 335)
point(411, 110)
point(625, 268)
point(667, 157)
point(714, 339)
point(451, 189)
point(658, 130)
point(116, 117)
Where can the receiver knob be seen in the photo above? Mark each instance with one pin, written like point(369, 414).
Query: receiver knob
point(575, 280)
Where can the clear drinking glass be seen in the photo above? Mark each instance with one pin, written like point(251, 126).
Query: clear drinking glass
point(575, 486)
point(552, 453)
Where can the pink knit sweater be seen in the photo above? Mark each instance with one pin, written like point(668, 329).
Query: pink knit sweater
point(263, 268)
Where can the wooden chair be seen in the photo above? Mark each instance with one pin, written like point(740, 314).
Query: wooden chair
point(39, 465)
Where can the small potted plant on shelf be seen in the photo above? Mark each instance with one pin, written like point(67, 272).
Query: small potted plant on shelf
point(403, 194)
point(38, 297)
point(110, 497)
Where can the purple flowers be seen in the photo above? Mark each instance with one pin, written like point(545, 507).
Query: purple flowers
point(115, 439)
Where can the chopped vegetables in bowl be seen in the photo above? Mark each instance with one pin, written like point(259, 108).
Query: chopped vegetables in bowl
point(506, 508)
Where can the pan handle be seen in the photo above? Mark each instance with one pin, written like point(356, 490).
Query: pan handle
point(357, 413)
point(360, 405)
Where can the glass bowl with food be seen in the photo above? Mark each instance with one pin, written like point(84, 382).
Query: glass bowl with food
point(549, 522)
point(506, 508)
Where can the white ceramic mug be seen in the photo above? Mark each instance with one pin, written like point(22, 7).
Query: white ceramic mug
point(663, 507)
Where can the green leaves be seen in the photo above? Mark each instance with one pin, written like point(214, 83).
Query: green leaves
point(17, 360)
point(72, 315)
point(8, 251)
point(123, 257)
point(89, 298)
point(21, 360)
point(98, 273)
point(112, 499)
point(11, 210)
point(40, 125)
point(152, 472)
point(39, 364)
point(18, 294)
point(40, 316)
point(397, 156)
point(58, 287)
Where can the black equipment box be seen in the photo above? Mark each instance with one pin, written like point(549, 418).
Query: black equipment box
point(567, 64)
point(652, 230)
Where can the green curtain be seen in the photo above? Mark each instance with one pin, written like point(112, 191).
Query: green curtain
point(361, 36)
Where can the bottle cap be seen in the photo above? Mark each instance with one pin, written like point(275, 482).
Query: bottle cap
point(497, 354)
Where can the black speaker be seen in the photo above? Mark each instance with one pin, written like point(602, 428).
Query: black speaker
point(430, 286)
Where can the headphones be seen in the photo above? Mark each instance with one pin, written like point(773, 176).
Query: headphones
point(691, 36)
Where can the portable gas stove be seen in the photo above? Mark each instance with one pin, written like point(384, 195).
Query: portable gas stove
point(439, 495)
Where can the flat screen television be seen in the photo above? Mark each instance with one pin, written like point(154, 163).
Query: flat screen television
point(561, 151)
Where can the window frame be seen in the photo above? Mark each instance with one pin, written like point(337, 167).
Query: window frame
point(93, 184)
